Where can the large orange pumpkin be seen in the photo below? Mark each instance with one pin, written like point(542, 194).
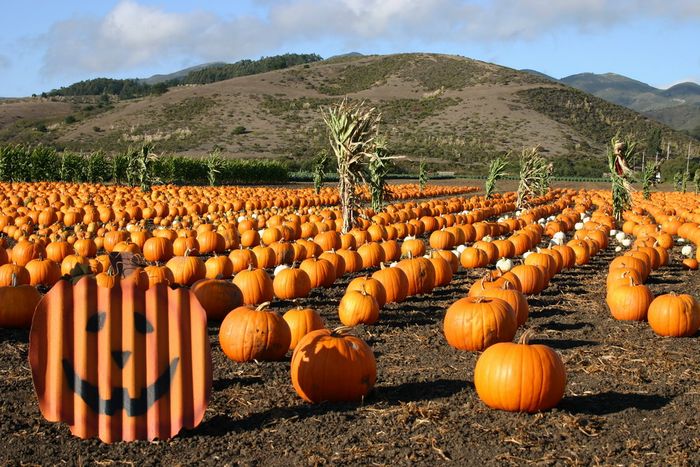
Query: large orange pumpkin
point(674, 315)
point(520, 377)
point(121, 363)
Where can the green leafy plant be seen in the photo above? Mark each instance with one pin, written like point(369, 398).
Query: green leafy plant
point(378, 170)
point(696, 180)
point(422, 175)
point(497, 169)
point(139, 167)
point(214, 163)
point(677, 180)
point(120, 164)
point(649, 172)
point(352, 129)
point(319, 170)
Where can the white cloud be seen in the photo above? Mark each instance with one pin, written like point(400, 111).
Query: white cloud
point(133, 35)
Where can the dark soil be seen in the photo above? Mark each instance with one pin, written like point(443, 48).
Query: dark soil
point(632, 397)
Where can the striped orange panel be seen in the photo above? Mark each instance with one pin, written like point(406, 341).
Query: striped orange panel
point(123, 363)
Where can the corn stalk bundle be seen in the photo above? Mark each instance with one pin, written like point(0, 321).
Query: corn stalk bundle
point(352, 129)
point(619, 153)
point(535, 176)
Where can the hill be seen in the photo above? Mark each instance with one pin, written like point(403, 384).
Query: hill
point(454, 112)
point(677, 106)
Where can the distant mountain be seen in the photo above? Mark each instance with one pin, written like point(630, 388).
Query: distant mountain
point(677, 106)
point(155, 79)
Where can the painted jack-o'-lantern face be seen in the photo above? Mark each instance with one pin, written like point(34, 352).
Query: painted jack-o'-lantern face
point(121, 363)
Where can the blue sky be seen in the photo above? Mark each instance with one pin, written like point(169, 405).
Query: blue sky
point(48, 44)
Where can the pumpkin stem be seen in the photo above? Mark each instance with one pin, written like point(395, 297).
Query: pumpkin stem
point(262, 306)
point(13, 280)
point(527, 336)
point(341, 331)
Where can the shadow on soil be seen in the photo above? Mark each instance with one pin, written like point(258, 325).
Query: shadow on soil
point(221, 424)
point(612, 402)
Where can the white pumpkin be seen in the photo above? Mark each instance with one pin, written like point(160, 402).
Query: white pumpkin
point(504, 264)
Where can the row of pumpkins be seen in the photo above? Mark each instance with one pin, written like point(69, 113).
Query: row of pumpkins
point(39, 263)
point(41, 208)
point(495, 308)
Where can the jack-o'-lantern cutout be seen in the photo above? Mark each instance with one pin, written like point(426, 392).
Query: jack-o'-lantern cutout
point(122, 363)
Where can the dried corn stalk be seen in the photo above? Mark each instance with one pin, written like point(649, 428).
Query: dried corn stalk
point(535, 176)
point(352, 130)
point(619, 152)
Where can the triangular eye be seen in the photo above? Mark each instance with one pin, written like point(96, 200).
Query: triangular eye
point(96, 322)
point(141, 324)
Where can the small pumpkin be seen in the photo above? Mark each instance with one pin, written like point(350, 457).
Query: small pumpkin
point(291, 283)
point(321, 272)
point(420, 273)
point(369, 285)
point(394, 281)
point(249, 333)
point(218, 297)
point(17, 304)
point(629, 302)
point(358, 307)
point(187, 269)
point(302, 321)
point(333, 366)
point(475, 323)
point(256, 286)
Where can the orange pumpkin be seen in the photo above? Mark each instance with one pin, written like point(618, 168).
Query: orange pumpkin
point(629, 302)
point(302, 321)
point(291, 283)
point(674, 315)
point(249, 333)
point(218, 297)
point(358, 308)
point(475, 323)
point(256, 286)
point(520, 377)
point(420, 273)
point(122, 364)
point(394, 281)
point(330, 366)
point(17, 304)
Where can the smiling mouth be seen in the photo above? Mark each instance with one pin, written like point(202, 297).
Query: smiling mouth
point(120, 396)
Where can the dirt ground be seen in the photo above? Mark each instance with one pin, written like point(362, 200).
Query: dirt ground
point(631, 398)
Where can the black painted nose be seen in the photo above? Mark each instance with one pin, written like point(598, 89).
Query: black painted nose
point(120, 358)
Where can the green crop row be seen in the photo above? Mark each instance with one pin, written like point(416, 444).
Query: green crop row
point(22, 163)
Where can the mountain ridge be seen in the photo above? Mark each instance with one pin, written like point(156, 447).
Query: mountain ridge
point(454, 112)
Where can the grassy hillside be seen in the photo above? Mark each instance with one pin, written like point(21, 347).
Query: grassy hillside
point(454, 112)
